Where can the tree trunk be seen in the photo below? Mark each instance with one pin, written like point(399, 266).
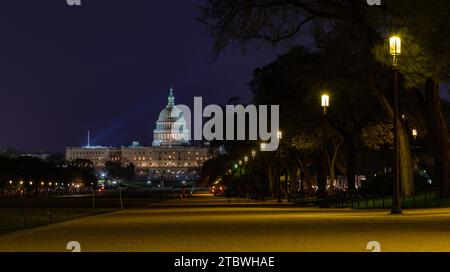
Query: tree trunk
point(332, 162)
point(309, 182)
point(351, 166)
point(270, 175)
point(438, 134)
point(406, 167)
point(293, 178)
point(330, 171)
point(321, 175)
point(302, 181)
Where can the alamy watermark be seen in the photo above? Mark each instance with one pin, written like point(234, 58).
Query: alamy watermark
point(372, 246)
point(73, 2)
point(73, 246)
point(229, 123)
point(78, 2)
point(374, 2)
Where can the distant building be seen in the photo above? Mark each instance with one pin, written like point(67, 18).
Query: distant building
point(171, 155)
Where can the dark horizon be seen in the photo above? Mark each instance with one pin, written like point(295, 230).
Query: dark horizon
point(107, 67)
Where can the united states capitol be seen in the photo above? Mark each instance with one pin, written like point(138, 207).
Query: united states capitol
point(171, 156)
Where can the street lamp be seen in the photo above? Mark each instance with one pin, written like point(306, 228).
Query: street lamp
point(395, 48)
point(414, 133)
point(253, 154)
point(263, 147)
point(279, 136)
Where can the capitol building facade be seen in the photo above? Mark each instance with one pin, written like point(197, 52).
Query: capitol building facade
point(171, 156)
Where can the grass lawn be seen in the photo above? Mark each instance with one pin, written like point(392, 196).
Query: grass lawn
point(429, 200)
point(12, 219)
point(32, 212)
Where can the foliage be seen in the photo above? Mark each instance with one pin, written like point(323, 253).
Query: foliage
point(115, 170)
point(378, 135)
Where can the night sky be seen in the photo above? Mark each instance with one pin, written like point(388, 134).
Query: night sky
point(106, 67)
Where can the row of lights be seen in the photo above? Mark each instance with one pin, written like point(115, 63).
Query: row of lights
point(43, 183)
point(253, 152)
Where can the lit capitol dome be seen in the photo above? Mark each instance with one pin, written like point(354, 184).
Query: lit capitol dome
point(171, 127)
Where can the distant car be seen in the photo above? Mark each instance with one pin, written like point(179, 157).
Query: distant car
point(100, 188)
point(217, 190)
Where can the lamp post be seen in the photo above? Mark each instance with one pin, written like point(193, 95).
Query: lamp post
point(263, 149)
point(245, 165)
point(325, 105)
point(252, 171)
point(414, 133)
point(240, 168)
point(279, 136)
point(395, 51)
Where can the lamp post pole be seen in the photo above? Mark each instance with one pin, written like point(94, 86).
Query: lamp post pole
point(246, 167)
point(240, 169)
point(263, 149)
point(415, 134)
point(252, 176)
point(325, 105)
point(395, 50)
point(279, 136)
point(414, 148)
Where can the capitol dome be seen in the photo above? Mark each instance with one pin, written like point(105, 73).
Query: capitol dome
point(171, 127)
